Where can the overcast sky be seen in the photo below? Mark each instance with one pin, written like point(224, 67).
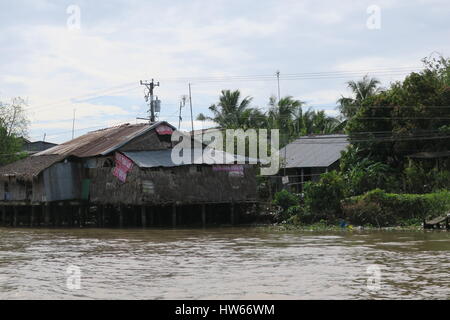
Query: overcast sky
point(93, 64)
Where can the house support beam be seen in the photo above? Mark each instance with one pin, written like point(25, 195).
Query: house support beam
point(232, 217)
point(120, 211)
point(15, 216)
point(33, 216)
point(204, 215)
point(152, 216)
point(143, 216)
point(46, 210)
point(4, 216)
point(174, 215)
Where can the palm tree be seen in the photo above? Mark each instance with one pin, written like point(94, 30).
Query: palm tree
point(362, 89)
point(232, 112)
point(323, 124)
point(282, 115)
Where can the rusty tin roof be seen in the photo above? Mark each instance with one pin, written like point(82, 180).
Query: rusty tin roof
point(101, 142)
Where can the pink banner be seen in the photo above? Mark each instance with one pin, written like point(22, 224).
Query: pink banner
point(124, 162)
point(123, 165)
point(229, 168)
point(163, 130)
point(120, 174)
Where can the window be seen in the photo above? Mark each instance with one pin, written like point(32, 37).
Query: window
point(108, 163)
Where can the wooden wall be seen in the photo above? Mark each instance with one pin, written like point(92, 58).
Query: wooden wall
point(148, 142)
point(181, 185)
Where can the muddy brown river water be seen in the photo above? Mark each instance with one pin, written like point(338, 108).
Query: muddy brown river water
point(223, 263)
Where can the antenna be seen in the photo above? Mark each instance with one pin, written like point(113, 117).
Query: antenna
point(150, 85)
point(190, 103)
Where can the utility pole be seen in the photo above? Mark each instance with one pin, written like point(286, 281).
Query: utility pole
point(182, 105)
point(73, 123)
point(150, 85)
point(278, 80)
point(190, 103)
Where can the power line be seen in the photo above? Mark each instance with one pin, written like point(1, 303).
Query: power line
point(85, 97)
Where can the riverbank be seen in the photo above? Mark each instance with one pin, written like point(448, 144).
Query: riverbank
point(322, 226)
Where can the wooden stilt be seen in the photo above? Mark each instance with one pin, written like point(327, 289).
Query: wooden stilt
point(120, 216)
point(15, 216)
point(102, 218)
point(4, 216)
point(135, 216)
point(174, 215)
point(33, 216)
point(46, 210)
point(80, 216)
point(179, 215)
point(98, 217)
point(203, 215)
point(152, 217)
point(85, 215)
point(57, 215)
point(232, 213)
point(143, 217)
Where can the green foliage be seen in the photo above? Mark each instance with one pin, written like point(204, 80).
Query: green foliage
point(234, 112)
point(418, 179)
point(288, 204)
point(413, 114)
point(13, 126)
point(364, 174)
point(322, 199)
point(284, 199)
point(287, 115)
point(383, 209)
point(362, 90)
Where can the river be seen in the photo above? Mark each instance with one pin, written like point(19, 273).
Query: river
point(223, 263)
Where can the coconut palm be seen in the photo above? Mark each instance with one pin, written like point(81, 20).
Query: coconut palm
point(233, 112)
point(362, 89)
point(282, 115)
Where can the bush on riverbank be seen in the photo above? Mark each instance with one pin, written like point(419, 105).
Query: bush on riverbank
point(383, 209)
point(322, 199)
point(288, 204)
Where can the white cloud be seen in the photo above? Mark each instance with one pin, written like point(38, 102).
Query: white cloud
point(122, 42)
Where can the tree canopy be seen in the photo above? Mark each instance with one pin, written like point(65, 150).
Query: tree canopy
point(411, 116)
point(13, 129)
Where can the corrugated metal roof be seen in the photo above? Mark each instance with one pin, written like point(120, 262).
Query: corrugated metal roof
point(150, 159)
point(313, 151)
point(163, 158)
point(101, 142)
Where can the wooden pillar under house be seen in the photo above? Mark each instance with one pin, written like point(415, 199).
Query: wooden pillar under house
point(232, 217)
point(152, 216)
point(143, 216)
point(203, 215)
point(174, 215)
point(15, 216)
point(120, 212)
point(46, 210)
point(33, 216)
point(4, 216)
